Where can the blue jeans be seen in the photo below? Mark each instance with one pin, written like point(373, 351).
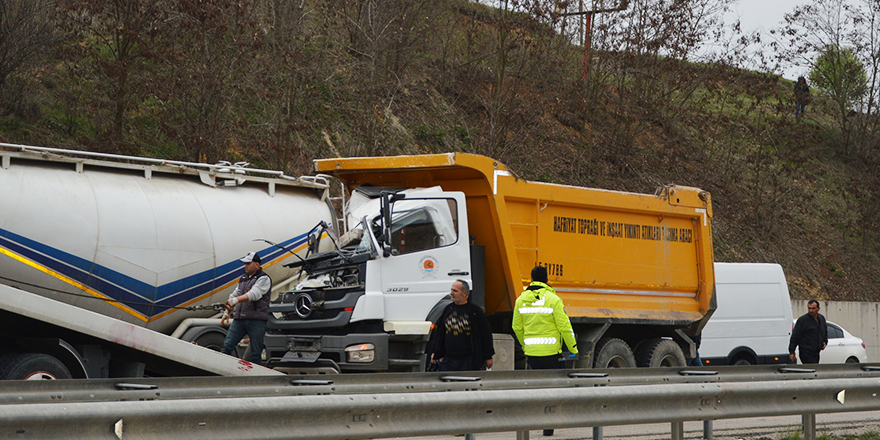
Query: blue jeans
point(799, 108)
point(255, 329)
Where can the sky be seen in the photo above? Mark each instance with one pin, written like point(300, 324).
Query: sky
point(763, 15)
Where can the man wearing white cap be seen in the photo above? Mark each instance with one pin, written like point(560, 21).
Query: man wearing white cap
point(249, 304)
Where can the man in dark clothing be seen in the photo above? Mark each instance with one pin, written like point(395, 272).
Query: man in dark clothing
point(810, 335)
point(249, 304)
point(464, 338)
point(801, 97)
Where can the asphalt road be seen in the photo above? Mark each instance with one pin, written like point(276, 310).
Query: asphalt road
point(769, 428)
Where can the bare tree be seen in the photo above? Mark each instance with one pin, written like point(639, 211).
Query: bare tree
point(26, 33)
point(810, 31)
point(523, 46)
point(384, 37)
point(285, 98)
point(640, 70)
point(210, 52)
point(811, 28)
point(867, 47)
point(117, 36)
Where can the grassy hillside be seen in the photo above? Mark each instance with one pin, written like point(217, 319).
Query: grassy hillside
point(281, 83)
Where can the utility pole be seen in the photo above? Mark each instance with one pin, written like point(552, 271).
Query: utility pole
point(587, 28)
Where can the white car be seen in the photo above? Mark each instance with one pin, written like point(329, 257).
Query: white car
point(842, 347)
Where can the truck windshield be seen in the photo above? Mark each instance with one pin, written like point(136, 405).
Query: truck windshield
point(421, 224)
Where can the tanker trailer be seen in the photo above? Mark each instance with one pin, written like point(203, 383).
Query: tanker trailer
point(130, 248)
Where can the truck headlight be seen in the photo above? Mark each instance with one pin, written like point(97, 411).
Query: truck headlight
point(360, 353)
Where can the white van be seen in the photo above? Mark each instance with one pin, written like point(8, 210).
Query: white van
point(752, 324)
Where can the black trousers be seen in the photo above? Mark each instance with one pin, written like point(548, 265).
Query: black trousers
point(555, 362)
point(467, 363)
point(808, 357)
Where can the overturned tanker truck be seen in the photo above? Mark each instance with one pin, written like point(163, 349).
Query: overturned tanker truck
point(117, 266)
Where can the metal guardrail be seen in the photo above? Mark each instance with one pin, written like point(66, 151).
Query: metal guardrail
point(18, 392)
point(392, 405)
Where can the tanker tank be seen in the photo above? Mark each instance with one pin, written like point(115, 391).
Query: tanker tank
point(137, 238)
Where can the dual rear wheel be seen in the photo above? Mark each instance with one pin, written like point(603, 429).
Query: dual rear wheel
point(653, 353)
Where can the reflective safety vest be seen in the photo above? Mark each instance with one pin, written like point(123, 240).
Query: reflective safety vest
point(540, 322)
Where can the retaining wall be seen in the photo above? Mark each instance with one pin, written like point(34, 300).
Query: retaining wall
point(859, 318)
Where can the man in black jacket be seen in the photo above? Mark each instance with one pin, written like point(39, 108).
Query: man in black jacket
point(810, 335)
point(464, 338)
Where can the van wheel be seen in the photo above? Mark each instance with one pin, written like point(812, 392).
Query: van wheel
point(32, 366)
point(741, 362)
point(659, 353)
point(852, 360)
point(613, 353)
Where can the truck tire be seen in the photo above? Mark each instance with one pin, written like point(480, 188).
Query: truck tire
point(32, 366)
point(659, 353)
point(208, 337)
point(212, 340)
point(613, 353)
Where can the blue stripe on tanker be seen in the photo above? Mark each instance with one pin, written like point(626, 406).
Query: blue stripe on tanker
point(124, 288)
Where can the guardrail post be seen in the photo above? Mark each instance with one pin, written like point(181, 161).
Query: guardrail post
point(809, 426)
point(522, 435)
point(597, 433)
point(678, 431)
point(707, 429)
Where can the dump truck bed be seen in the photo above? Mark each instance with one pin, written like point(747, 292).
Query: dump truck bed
point(611, 256)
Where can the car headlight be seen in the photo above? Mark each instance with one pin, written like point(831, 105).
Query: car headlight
point(360, 353)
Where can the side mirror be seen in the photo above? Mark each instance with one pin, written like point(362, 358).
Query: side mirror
point(313, 244)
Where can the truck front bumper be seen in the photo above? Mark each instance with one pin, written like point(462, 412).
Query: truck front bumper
point(306, 352)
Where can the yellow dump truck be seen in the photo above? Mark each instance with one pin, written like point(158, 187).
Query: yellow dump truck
point(635, 271)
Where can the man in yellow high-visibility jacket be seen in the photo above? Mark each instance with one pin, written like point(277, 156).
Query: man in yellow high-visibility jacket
point(541, 325)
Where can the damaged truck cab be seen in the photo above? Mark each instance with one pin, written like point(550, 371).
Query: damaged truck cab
point(367, 305)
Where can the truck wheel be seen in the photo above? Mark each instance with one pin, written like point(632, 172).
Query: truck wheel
point(211, 340)
point(659, 353)
point(208, 337)
point(32, 366)
point(613, 353)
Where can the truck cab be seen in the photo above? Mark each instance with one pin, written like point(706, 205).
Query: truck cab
point(370, 304)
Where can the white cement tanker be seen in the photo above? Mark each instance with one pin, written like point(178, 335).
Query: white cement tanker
point(137, 241)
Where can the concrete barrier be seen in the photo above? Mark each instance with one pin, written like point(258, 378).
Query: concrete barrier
point(503, 359)
point(859, 318)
